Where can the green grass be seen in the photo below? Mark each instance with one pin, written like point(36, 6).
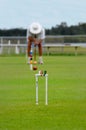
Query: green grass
point(66, 94)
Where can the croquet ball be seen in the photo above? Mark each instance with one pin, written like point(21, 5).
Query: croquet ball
point(34, 67)
point(31, 52)
point(31, 62)
point(30, 56)
point(35, 62)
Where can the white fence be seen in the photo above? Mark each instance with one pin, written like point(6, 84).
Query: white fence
point(17, 45)
point(9, 48)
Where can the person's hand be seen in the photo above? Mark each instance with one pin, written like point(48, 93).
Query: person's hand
point(36, 42)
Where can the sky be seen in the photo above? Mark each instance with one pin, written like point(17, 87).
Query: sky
point(49, 13)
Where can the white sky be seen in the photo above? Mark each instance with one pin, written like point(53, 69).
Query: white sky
point(21, 13)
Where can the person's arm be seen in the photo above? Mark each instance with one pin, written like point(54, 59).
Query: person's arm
point(42, 36)
point(30, 38)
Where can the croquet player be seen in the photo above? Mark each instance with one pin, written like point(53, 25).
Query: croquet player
point(35, 35)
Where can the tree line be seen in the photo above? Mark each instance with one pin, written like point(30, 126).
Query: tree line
point(62, 29)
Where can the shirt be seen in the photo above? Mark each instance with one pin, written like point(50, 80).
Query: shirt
point(41, 35)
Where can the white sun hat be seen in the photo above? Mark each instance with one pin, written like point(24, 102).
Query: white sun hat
point(35, 28)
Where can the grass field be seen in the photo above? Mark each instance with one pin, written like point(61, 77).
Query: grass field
point(66, 109)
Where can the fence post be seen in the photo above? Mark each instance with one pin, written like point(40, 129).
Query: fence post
point(48, 50)
point(76, 47)
point(17, 47)
point(1, 47)
point(9, 46)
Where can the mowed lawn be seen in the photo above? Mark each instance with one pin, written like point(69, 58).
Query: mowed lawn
point(66, 109)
